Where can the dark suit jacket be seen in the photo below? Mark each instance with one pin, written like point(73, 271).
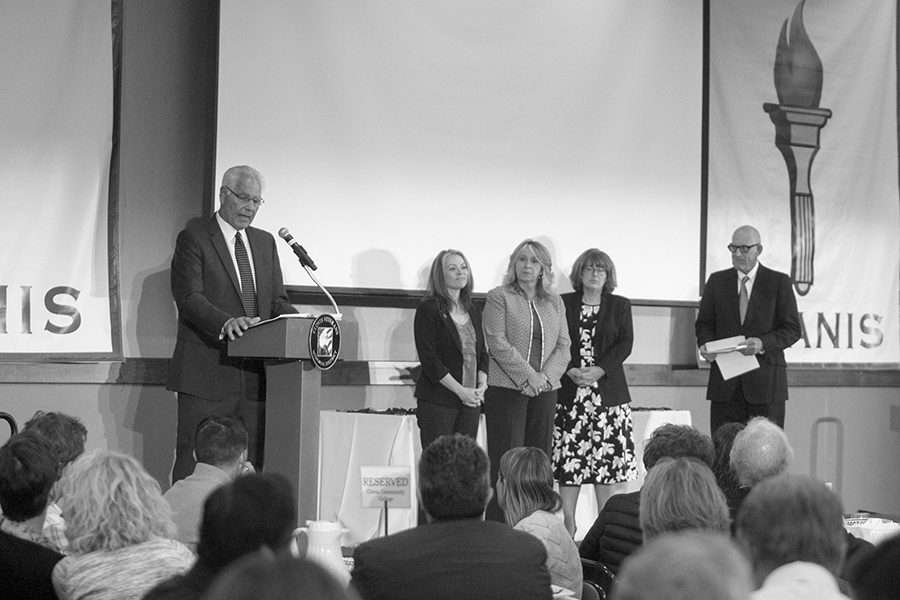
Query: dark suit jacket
point(207, 291)
point(771, 316)
point(616, 533)
point(613, 338)
point(452, 560)
point(440, 351)
point(26, 569)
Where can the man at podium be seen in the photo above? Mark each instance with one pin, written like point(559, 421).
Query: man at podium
point(225, 277)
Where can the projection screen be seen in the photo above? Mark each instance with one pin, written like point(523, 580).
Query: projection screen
point(387, 130)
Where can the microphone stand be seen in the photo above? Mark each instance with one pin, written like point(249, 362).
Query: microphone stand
point(337, 312)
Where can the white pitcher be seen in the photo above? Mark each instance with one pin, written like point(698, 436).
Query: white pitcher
point(323, 546)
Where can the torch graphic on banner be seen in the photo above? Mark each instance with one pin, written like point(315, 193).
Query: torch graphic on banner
point(798, 121)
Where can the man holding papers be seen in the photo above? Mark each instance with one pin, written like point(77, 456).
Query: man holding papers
point(747, 313)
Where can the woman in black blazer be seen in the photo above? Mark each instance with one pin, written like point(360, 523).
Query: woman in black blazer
point(593, 441)
point(450, 343)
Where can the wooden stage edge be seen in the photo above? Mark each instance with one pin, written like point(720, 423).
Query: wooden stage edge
point(152, 371)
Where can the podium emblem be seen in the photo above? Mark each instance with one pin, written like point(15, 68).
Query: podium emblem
point(324, 341)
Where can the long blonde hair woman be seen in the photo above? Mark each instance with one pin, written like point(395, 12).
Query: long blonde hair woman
point(119, 529)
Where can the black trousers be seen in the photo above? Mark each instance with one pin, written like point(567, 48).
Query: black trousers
point(435, 420)
point(514, 419)
point(246, 403)
point(738, 410)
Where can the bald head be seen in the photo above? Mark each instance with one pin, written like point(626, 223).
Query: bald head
point(747, 234)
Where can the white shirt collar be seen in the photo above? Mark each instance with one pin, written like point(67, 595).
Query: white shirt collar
point(227, 230)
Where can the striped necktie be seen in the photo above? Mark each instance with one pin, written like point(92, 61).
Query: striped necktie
point(248, 290)
point(743, 298)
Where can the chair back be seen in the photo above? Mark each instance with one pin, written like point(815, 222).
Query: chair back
point(13, 426)
point(592, 591)
point(598, 573)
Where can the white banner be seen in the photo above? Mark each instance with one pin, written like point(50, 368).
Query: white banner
point(56, 131)
point(812, 163)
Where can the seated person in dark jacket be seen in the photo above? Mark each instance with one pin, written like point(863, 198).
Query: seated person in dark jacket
point(457, 555)
point(617, 531)
point(28, 471)
point(239, 518)
point(876, 576)
point(723, 440)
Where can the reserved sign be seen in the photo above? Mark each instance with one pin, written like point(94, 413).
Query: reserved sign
point(391, 485)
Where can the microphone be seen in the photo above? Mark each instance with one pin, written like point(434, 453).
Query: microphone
point(305, 260)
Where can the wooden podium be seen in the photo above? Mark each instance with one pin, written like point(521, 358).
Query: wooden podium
point(293, 385)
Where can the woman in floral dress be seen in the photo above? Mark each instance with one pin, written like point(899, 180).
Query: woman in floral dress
point(593, 441)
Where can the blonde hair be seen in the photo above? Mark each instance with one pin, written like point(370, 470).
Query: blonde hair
point(682, 493)
point(109, 501)
point(545, 279)
point(527, 483)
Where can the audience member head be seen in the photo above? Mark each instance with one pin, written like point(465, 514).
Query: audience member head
point(760, 451)
point(525, 484)
point(66, 435)
point(28, 470)
point(250, 512)
point(453, 478)
point(109, 502)
point(593, 257)
point(670, 440)
point(445, 267)
point(531, 249)
point(789, 518)
point(262, 576)
point(221, 441)
point(689, 565)
point(877, 575)
point(681, 493)
point(723, 440)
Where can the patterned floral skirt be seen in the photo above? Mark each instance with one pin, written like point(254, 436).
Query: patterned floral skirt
point(593, 444)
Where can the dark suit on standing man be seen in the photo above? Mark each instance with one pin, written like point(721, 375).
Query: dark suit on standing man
point(207, 290)
point(771, 317)
point(770, 324)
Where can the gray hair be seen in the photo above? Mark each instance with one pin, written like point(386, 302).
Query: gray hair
point(760, 451)
point(239, 172)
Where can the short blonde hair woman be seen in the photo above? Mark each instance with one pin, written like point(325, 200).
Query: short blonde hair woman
point(679, 494)
point(119, 529)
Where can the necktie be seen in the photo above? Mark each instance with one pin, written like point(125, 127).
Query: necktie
point(248, 290)
point(743, 298)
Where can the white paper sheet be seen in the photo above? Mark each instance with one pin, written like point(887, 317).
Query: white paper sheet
point(729, 358)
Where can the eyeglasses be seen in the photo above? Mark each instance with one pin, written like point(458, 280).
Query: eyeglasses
point(741, 249)
point(255, 200)
point(595, 270)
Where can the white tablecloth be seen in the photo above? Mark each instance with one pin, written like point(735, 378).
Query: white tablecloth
point(348, 441)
